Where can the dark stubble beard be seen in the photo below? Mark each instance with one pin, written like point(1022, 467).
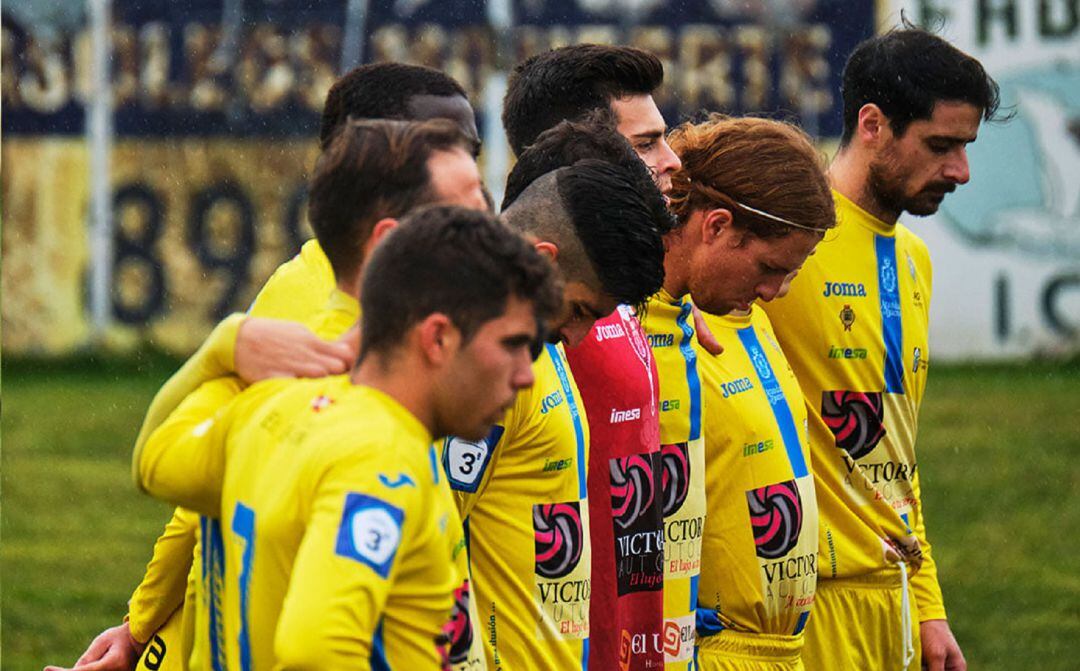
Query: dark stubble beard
point(886, 189)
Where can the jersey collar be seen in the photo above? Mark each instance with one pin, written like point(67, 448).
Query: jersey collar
point(848, 212)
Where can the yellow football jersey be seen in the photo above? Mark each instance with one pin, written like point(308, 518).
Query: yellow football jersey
point(298, 288)
point(855, 329)
point(296, 292)
point(669, 324)
point(759, 550)
point(337, 543)
point(523, 498)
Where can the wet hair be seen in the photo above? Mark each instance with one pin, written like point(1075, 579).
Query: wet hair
point(381, 91)
point(568, 82)
point(745, 164)
point(603, 223)
point(905, 72)
point(446, 259)
point(593, 137)
point(370, 170)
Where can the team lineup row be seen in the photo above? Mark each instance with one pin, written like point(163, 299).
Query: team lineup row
point(661, 412)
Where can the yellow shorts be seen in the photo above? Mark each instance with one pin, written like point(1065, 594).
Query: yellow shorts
point(857, 625)
point(165, 650)
point(737, 651)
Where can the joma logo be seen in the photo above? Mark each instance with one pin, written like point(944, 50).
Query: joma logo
point(846, 289)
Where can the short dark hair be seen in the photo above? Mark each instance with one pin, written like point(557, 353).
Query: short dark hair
point(370, 170)
point(568, 82)
point(617, 224)
point(445, 259)
point(593, 137)
point(381, 91)
point(598, 215)
point(905, 72)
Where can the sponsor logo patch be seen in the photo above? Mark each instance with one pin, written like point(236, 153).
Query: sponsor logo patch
point(845, 289)
point(370, 532)
point(847, 317)
point(466, 460)
point(846, 352)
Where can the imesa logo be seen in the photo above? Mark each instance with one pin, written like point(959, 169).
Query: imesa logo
point(620, 416)
point(750, 449)
point(846, 352)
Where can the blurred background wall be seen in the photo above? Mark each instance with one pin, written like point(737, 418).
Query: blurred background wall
point(155, 152)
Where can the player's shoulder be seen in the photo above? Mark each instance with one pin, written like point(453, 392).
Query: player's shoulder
point(353, 423)
point(910, 239)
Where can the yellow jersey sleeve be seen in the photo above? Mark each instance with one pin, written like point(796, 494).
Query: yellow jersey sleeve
point(363, 542)
point(212, 360)
point(524, 502)
point(669, 326)
point(183, 462)
point(337, 545)
point(298, 288)
point(165, 583)
point(761, 534)
point(855, 328)
point(924, 584)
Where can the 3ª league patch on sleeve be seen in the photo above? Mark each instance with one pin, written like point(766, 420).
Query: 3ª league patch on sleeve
point(370, 532)
point(466, 460)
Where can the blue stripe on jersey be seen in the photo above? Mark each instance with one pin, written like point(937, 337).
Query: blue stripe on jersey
point(707, 622)
point(694, 579)
point(213, 574)
point(434, 465)
point(575, 415)
point(468, 554)
point(801, 624)
point(585, 655)
point(693, 382)
point(378, 650)
point(892, 328)
point(243, 525)
point(781, 410)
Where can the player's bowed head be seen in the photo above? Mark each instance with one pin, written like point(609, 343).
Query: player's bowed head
point(451, 303)
point(602, 225)
point(752, 201)
point(912, 104)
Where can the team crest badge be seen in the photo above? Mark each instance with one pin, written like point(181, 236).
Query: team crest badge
point(321, 402)
point(847, 317)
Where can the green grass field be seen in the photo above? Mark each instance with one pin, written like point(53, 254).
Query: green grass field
point(1000, 460)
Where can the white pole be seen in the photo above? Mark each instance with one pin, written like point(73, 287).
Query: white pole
point(500, 14)
point(352, 45)
point(99, 131)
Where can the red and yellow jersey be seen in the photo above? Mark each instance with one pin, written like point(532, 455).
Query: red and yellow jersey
point(669, 324)
point(337, 530)
point(761, 531)
point(523, 499)
point(855, 329)
point(617, 378)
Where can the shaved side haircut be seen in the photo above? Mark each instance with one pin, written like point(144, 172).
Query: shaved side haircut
point(605, 229)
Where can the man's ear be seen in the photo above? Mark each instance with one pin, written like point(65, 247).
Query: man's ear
point(547, 249)
point(716, 225)
point(378, 232)
point(872, 124)
point(438, 338)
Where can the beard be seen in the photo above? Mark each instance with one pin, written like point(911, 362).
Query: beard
point(885, 185)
